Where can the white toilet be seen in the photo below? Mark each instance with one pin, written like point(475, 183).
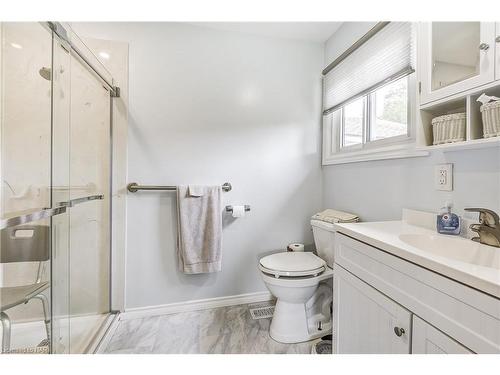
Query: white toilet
point(302, 311)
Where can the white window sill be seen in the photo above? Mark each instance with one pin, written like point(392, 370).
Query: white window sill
point(383, 153)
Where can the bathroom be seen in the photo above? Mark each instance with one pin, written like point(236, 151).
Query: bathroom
point(194, 186)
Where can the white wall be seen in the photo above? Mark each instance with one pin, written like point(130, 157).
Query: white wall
point(208, 107)
point(378, 190)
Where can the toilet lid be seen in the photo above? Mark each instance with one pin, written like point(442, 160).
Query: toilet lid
point(292, 264)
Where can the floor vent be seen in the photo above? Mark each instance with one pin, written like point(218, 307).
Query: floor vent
point(262, 311)
point(322, 347)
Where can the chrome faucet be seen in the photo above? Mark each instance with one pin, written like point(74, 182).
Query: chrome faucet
point(488, 228)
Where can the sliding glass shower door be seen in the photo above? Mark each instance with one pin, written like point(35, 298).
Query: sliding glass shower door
point(55, 158)
point(90, 219)
point(81, 173)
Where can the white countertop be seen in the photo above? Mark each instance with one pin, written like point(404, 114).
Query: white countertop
point(458, 258)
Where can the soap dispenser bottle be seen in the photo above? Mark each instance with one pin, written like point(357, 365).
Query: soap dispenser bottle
point(448, 222)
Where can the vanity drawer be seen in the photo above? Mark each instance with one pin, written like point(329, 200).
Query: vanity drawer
point(465, 314)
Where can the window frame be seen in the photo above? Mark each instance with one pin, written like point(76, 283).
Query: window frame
point(399, 146)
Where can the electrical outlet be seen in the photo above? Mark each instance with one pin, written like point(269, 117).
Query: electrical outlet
point(443, 179)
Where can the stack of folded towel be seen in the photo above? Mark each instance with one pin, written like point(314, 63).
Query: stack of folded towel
point(334, 216)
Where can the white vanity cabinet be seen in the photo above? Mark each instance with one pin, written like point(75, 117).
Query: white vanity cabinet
point(427, 339)
point(376, 294)
point(454, 57)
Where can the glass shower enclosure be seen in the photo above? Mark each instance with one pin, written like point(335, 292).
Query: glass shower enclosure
point(55, 176)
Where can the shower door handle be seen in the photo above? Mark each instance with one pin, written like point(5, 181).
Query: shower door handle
point(32, 216)
point(76, 201)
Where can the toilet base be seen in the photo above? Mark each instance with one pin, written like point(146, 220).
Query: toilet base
point(290, 325)
point(287, 339)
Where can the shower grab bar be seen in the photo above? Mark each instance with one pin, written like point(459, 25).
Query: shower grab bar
point(89, 187)
point(133, 187)
point(32, 216)
point(74, 202)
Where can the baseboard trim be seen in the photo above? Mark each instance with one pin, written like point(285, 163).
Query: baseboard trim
point(201, 304)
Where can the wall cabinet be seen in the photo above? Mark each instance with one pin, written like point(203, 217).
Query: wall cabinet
point(384, 304)
point(427, 339)
point(457, 62)
point(454, 57)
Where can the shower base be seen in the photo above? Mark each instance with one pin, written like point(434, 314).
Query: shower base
point(26, 337)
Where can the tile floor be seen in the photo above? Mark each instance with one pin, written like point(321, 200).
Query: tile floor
point(225, 330)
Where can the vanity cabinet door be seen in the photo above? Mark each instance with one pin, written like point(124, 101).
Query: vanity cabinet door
point(367, 322)
point(454, 57)
point(427, 339)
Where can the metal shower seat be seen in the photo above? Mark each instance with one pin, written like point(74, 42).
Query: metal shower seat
point(27, 243)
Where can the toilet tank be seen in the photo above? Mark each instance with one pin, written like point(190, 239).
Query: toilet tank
point(324, 240)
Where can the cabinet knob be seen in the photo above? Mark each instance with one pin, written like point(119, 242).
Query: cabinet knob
point(484, 46)
point(399, 331)
point(497, 39)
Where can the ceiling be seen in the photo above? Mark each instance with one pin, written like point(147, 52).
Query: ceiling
point(316, 32)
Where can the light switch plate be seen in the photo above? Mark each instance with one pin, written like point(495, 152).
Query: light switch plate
point(443, 179)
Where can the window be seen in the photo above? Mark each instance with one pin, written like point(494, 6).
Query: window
point(378, 115)
point(368, 97)
point(387, 116)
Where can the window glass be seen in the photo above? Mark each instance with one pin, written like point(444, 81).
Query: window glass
point(353, 119)
point(390, 112)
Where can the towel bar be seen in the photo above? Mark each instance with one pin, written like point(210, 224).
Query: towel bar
point(134, 187)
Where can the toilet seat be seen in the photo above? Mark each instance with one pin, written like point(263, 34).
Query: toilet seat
point(292, 264)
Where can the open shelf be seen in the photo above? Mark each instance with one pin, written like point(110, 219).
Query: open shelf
point(475, 111)
point(467, 103)
point(426, 115)
point(465, 145)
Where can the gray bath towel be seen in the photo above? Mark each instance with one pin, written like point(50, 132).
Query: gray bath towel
point(199, 240)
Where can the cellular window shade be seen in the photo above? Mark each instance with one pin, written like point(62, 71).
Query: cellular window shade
point(387, 54)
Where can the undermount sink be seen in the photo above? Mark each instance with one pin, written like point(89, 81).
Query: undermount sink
point(458, 249)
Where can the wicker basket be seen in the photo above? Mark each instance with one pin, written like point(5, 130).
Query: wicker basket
point(448, 128)
point(491, 119)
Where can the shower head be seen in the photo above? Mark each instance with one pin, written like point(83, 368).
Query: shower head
point(46, 73)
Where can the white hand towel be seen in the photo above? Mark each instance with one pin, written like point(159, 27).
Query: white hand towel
point(199, 240)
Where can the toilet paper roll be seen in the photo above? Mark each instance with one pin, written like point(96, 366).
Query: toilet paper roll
point(239, 211)
point(295, 247)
